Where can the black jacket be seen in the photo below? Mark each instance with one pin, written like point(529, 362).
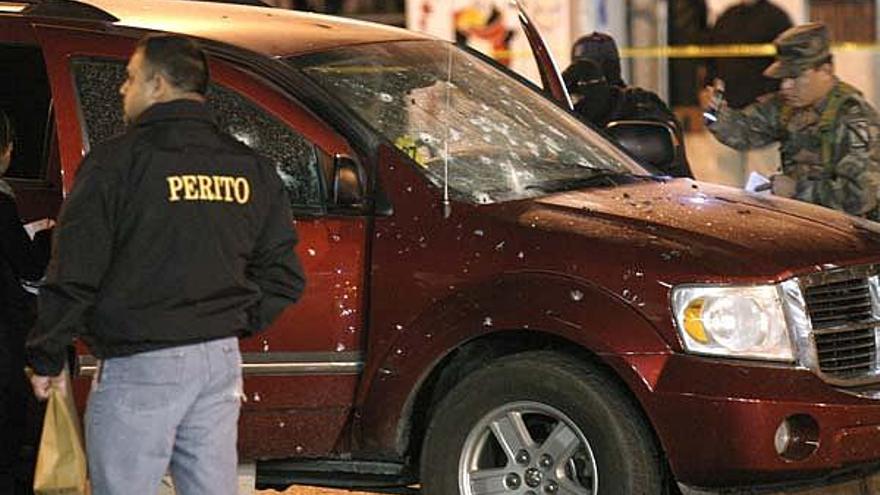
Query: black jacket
point(174, 233)
point(632, 103)
point(743, 76)
point(20, 259)
point(637, 103)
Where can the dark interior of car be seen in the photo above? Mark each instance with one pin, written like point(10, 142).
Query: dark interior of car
point(25, 97)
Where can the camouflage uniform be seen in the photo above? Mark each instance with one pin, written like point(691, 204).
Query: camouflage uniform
point(831, 149)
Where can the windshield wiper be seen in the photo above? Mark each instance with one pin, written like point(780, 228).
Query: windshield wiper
point(599, 178)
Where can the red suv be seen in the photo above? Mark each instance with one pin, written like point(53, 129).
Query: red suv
point(500, 300)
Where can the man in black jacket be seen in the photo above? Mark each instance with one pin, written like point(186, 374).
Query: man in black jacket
point(688, 24)
point(175, 240)
point(20, 259)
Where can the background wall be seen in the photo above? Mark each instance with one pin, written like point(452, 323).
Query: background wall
point(493, 27)
point(797, 9)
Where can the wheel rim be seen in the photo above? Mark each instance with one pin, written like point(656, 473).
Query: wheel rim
point(527, 448)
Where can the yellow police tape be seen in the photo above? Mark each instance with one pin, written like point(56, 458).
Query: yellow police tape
point(700, 51)
point(719, 51)
point(711, 51)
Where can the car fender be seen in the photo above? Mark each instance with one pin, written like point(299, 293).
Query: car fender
point(558, 306)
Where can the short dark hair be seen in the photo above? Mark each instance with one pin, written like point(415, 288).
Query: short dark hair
point(179, 58)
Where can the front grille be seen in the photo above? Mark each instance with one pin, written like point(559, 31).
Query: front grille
point(844, 327)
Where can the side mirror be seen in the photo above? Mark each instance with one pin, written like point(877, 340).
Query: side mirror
point(348, 184)
point(651, 142)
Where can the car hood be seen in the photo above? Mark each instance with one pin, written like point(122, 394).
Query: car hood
point(698, 230)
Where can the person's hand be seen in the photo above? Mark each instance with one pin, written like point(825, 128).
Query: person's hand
point(42, 385)
point(714, 102)
point(783, 185)
point(715, 96)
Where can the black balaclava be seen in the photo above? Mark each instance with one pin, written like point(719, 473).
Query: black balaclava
point(590, 91)
point(602, 49)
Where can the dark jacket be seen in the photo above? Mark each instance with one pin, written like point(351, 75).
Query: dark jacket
point(636, 103)
point(174, 233)
point(743, 76)
point(631, 103)
point(687, 24)
point(20, 259)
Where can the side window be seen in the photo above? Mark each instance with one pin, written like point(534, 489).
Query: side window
point(295, 158)
point(26, 99)
point(97, 85)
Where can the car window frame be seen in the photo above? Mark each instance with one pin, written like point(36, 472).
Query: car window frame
point(48, 148)
point(323, 208)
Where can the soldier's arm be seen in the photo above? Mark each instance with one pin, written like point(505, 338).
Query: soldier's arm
point(851, 184)
point(754, 126)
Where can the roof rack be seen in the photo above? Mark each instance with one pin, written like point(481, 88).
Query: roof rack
point(68, 9)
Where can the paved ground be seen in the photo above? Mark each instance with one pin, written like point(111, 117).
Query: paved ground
point(310, 491)
point(867, 487)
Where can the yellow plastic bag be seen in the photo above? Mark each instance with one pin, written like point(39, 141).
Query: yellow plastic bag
point(61, 460)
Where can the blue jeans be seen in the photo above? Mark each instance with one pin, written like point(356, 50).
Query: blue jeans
point(173, 408)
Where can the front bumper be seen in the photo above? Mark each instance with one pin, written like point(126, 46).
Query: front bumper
point(717, 421)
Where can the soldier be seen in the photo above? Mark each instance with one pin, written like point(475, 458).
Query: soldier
point(828, 133)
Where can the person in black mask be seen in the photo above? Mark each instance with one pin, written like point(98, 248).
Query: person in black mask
point(601, 96)
point(20, 259)
point(592, 95)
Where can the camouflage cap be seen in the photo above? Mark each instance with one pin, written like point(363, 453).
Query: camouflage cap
point(799, 48)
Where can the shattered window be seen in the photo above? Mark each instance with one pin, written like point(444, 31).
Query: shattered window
point(97, 84)
point(457, 116)
point(295, 158)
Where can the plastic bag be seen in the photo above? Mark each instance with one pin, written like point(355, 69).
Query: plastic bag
point(61, 459)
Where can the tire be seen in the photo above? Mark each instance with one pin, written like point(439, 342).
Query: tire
point(565, 426)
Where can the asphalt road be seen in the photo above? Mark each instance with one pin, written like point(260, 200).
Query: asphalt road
point(310, 491)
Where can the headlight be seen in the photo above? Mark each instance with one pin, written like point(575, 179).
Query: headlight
point(746, 322)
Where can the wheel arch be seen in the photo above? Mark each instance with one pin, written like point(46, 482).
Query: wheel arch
point(473, 355)
point(514, 313)
point(576, 375)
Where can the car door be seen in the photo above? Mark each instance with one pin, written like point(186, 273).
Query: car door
point(27, 100)
point(551, 78)
point(300, 375)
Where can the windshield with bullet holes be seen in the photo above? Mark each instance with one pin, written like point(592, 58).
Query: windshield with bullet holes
point(453, 113)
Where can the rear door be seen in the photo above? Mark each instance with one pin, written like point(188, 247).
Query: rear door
point(300, 376)
point(27, 99)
